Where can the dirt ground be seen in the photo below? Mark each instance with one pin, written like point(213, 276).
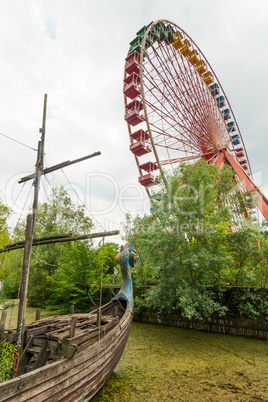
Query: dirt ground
point(172, 364)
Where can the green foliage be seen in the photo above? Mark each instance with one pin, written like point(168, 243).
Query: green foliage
point(195, 240)
point(12, 272)
point(250, 304)
point(69, 282)
point(4, 236)
point(7, 354)
point(79, 275)
point(62, 274)
point(58, 215)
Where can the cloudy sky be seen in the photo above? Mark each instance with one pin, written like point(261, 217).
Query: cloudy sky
point(74, 51)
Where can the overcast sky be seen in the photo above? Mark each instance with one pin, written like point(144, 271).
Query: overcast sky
point(74, 51)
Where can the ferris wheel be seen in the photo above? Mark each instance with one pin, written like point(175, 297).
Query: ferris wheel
point(176, 109)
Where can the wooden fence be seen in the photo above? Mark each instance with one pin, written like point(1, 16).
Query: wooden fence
point(252, 329)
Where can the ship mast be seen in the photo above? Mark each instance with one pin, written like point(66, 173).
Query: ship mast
point(30, 230)
point(31, 222)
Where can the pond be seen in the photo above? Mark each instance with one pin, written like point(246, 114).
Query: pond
point(166, 363)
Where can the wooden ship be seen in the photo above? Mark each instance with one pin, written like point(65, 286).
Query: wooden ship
point(66, 358)
point(69, 358)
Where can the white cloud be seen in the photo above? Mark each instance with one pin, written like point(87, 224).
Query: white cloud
point(75, 52)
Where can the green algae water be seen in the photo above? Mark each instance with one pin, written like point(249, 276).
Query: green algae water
point(173, 364)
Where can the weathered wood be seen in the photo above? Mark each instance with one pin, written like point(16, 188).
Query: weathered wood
point(71, 309)
point(60, 166)
point(38, 242)
point(82, 375)
point(92, 337)
point(67, 350)
point(39, 330)
point(37, 314)
point(34, 349)
point(72, 327)
point(99, 318)
point(3, 320)
point(87, 334)
point(10, 337)
point(226, 326)
point(24, 279)
point(51, 345)
point(42, 356)
point(62, 332)
point(115, 311)
point(25, 358)
point(89, 370)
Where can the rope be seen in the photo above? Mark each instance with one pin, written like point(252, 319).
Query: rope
point(18, 294)
point(99, 310)
point(117, 300)
point(92, 301)
point(44, 262)
point(61, 247)
point(21, 143)
point(82, 201)
point(101, 271)
point(22, 208)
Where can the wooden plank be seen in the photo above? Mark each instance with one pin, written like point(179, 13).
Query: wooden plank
point(80, 376)
point(68, 350)
point(62, 333)
point(86, 340)
point(37, 314)
point(89, 381)
point(25, 277)
point(72, 327)
point(52, 345)
point(10, 337)
point(46, 374)
point(3, 320)
point(115, 311)
point(39, 377)
point(42, 357)
point(37, 242)
point(25, 358)
point(48, 387)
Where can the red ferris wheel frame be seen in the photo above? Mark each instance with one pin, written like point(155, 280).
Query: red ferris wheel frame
point(182, 112)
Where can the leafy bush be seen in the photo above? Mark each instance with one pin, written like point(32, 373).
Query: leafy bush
point(251, 304)
point(194, 244)
point(7, 354)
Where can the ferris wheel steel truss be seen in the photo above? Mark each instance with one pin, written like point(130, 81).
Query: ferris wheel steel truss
point(177, 110)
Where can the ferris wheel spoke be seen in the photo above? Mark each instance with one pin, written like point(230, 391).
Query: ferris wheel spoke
point(167, 115)
point(186, 129)
point(175, 95)
point(179, 160)
point(186, 114)
point(186, 88)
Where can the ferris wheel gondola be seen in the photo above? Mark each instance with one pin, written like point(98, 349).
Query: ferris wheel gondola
point(177, 110)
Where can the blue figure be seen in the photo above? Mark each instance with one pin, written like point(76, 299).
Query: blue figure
point(127, 259)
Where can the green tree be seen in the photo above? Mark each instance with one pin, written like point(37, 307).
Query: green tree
point(4, 230)
point(188, 247)
point(58, 215)
point(4, 239)
point(78, 277)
